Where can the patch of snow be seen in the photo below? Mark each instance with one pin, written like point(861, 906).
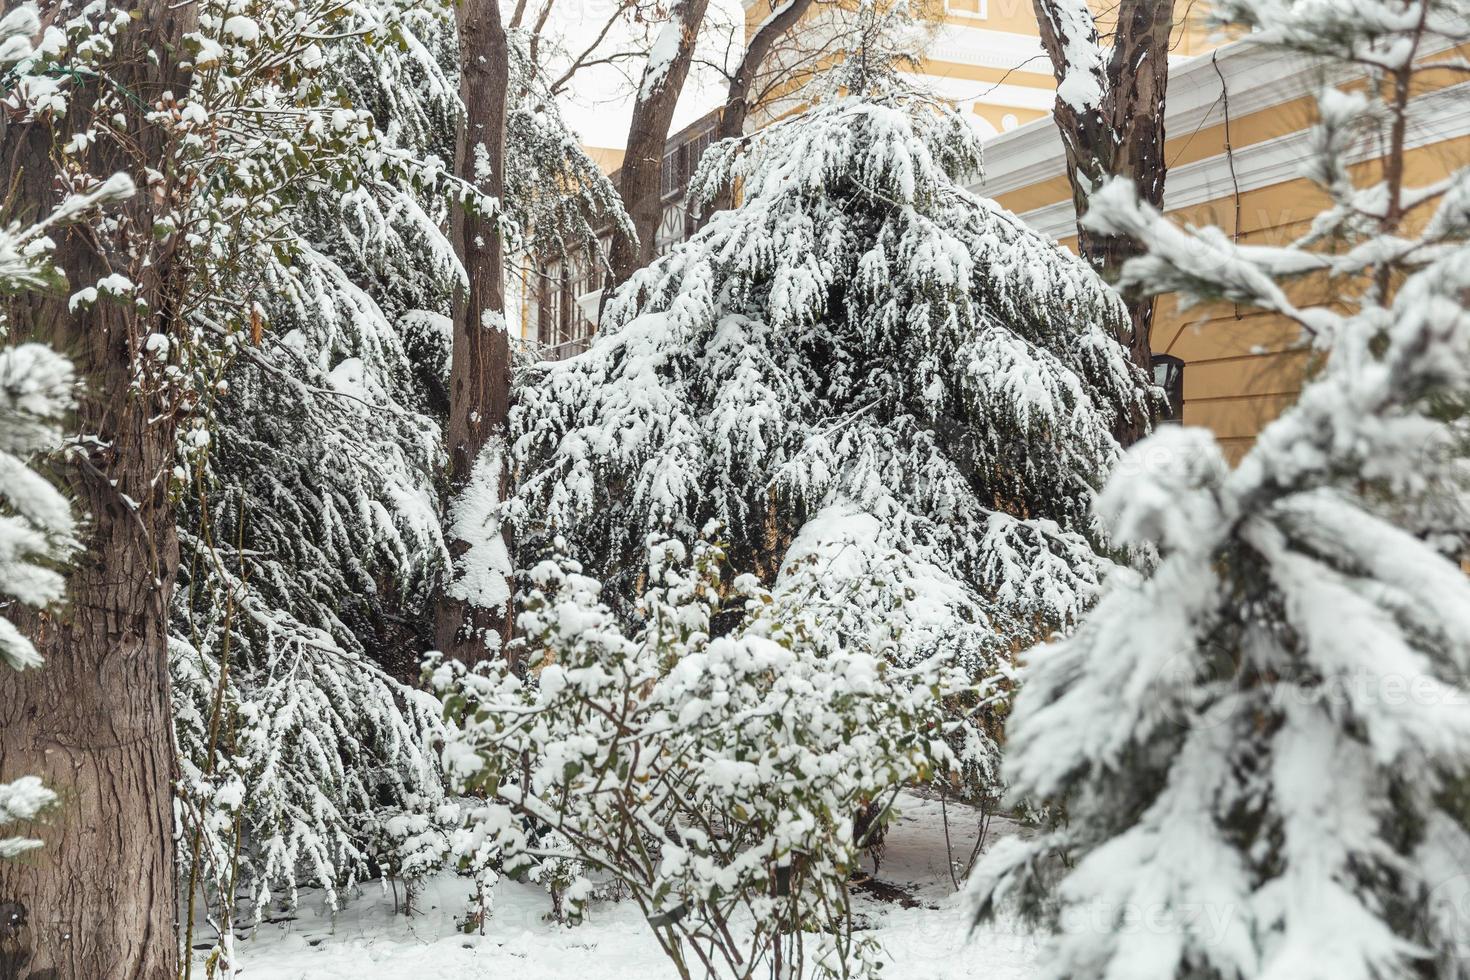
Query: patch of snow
point(484, 571)
point(661, 58)
point(242, 29)
point(82, 297)
point(348, 377)
point(931, 940)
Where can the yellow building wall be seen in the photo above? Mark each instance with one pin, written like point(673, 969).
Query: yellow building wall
point(1243, 368)
point(607, 158)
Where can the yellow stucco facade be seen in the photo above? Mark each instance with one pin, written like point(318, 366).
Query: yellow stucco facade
point(1241, 174)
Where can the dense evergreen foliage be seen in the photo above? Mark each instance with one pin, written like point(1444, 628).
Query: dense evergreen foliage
point(895, 398)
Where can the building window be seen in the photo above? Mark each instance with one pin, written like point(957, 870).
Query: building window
point(973, 9)
point(562, 311)
point(1169, 375)
point(668, 175)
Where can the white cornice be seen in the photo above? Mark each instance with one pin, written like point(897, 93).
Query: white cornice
point(1255, 76)
point(963, 44)
point(1433, 118)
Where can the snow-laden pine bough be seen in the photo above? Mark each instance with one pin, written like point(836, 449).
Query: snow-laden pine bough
point(310, 519)
point(895, 399)
point(1258, 752)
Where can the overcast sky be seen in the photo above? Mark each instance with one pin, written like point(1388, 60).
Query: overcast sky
point(600, 104)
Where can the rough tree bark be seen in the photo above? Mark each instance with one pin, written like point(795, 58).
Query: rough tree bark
point(648, 135)
point(479, 382)
point(95, 721)
point(1110, 114)
point(737, 98)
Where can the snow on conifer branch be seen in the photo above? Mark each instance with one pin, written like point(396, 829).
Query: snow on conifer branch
point(863, 355)
point(37, 532)
point(1262, 743)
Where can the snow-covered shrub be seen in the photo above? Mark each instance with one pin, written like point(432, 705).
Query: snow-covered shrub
point(561, 873)
point(895, 398)
point(715, 778)
point(1261, 747)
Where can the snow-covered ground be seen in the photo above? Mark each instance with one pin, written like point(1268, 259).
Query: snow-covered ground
point(928, 940)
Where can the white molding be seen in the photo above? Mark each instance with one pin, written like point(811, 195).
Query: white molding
point(1433, 118)
point(981, 47)
point(965, 93)
point(982, 14)
point(1256, 77)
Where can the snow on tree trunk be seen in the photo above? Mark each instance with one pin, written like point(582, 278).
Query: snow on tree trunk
point(480, 364)
point(1110, 113)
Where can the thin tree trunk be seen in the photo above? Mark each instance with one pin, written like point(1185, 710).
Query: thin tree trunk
point(648, 136)
point(1119, 134)
point(95, 721)
point(479, 384)
point(737, 98)
point(1138, 77)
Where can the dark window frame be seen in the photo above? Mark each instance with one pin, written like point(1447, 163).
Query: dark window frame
point(1169, 375)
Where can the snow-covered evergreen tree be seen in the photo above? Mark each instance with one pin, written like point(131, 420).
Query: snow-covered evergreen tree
point(312, 521)
point(1258, 752)
point(309, 515)
point(896, 398)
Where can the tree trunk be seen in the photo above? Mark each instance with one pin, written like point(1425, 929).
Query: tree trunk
point(95, 721)
point(737, 98)
point(479, 381)
point(1121, 136)
point(648, 135)
point(1138, 76)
